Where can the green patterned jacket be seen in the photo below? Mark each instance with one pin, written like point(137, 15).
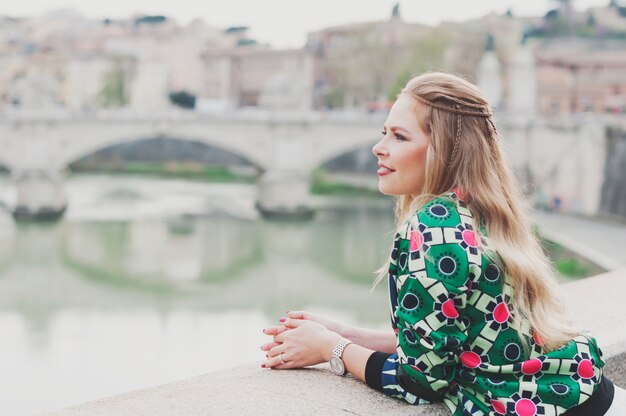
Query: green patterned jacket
point(451, 311)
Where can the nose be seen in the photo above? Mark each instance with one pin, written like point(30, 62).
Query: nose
point(379, 149)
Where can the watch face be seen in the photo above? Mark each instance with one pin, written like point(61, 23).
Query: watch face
point(337, 365)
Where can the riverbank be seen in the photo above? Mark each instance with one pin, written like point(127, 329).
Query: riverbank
point(177, 170)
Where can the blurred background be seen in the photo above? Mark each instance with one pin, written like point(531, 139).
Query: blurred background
point(172, 179)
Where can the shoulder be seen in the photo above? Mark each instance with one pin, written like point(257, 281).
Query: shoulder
point(440, 239)
point(437, 247)
point(443, 213)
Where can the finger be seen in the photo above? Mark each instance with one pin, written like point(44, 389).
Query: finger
point(280, 338)
point(275, 361)
point(274, 330)
point(292, 323)
point(276, 351)
point(268, 346)
point(297, 314)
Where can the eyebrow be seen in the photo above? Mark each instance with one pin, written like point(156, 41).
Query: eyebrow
point(394, 128)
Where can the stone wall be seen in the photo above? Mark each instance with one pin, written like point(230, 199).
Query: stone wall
point(613, 202)
point(562, 165)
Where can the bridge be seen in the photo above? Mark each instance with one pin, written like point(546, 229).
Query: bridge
point(37, 151)
point(572, 163)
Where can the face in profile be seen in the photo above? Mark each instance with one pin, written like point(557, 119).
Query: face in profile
point(402, 150)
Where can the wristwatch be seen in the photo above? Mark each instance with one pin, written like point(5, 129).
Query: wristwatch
point(336, 362)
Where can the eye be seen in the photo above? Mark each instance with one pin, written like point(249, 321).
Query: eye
point(398, 137)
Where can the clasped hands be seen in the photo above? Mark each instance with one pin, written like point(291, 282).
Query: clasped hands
point(303, 339)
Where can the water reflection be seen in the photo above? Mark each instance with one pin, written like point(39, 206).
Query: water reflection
point(177, 284)
point(167, 254)
point(366, 233)
point(215, 255)
point(7, 242)
point(185, 253)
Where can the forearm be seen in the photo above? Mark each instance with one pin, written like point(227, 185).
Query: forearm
point(384, 341)
point(355, 359)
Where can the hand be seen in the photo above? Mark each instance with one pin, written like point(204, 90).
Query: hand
point(273, 330)
point(329, 324)
point(302, 343)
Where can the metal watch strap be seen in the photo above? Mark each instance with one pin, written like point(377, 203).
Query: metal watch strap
point(341, 345)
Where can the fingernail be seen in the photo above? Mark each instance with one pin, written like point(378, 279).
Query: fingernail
point(264, 331)
point(288, 310)
point(282, 319)
point(262, 365)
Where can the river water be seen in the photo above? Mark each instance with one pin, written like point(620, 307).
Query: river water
point(147, 281)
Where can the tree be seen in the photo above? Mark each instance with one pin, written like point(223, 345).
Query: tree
point(420, 55)
point(113, 93)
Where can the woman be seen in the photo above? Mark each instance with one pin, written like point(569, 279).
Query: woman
point(475, 319)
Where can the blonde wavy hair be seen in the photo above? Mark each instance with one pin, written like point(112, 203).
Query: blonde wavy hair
point(465, 152)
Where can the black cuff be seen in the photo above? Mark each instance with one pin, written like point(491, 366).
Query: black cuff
point(405, 381)
point(374, 369)
point(598, 403)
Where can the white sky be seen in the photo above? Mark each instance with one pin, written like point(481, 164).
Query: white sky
point(284, 23)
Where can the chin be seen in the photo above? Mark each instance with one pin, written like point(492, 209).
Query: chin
point(385, 190)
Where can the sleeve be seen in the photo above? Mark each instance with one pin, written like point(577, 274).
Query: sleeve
point(430, 275)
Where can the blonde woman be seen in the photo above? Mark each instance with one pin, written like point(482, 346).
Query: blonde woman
point(474, 311)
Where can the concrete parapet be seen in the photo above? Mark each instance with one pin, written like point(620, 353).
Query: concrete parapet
point(596, 304)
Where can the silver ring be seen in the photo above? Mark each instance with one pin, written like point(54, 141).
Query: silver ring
point(281, 358)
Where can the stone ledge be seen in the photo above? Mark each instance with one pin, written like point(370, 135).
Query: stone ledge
point(596, 304)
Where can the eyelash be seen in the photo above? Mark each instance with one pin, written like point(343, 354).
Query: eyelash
point(398, 137)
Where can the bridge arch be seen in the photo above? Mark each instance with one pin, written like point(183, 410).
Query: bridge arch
point(341, 148)
point(286, 151)
point(146, 140)
point(98, 140)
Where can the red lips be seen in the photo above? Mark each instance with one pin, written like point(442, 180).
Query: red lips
point(384, 170)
